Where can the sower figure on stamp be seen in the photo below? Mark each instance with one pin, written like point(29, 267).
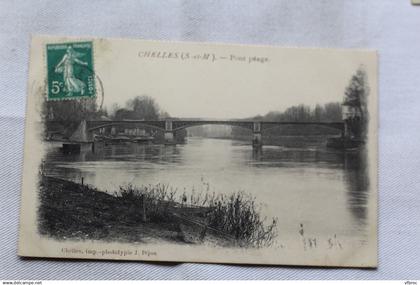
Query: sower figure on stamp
point(65, 66)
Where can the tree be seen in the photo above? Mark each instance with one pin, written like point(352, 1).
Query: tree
point(124, 114)
point(332, 112)
point(300, 113)
point(355, 100)
point(70, 110)
point(144, 108)
point(64, 116)
point(357, 91)
point(114, 108)
point(138, 108)
point(164, 115)
point(273, 116)
point(317, 117)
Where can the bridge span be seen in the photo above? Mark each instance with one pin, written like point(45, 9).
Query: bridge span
point(86, 129)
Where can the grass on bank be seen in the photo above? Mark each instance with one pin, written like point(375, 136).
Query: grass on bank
point(70, 210)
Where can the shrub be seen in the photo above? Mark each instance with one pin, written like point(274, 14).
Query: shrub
point(236, 215)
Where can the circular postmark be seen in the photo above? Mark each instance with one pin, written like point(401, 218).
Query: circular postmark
point(95, 85)
point(70, 72)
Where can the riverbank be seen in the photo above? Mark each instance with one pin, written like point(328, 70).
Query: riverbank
point(69, 210)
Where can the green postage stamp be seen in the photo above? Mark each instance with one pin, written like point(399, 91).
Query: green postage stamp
point(70, 71)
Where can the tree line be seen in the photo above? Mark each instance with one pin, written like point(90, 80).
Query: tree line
point(330, 112)
point(138, 108)
point(353, 110)
point(68, 114)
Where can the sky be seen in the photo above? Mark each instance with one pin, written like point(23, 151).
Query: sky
point(229, 83)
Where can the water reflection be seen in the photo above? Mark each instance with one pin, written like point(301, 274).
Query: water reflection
point(357, 180)
point(295, 157)
point(325, 189)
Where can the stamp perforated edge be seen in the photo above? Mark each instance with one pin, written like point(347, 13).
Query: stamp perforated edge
point(95, 76)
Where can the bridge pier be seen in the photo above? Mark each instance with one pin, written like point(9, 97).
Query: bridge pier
point(257, 141)
point(256, 136)
point(169, 133)
point(169, 137)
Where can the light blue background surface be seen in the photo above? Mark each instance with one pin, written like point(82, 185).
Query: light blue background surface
point(390, 26)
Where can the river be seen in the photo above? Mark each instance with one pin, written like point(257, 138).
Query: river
point(327, 191)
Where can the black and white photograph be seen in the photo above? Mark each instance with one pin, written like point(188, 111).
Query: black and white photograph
point(197, 152)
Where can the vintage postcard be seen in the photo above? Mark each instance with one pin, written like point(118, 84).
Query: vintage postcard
point(160, 151)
